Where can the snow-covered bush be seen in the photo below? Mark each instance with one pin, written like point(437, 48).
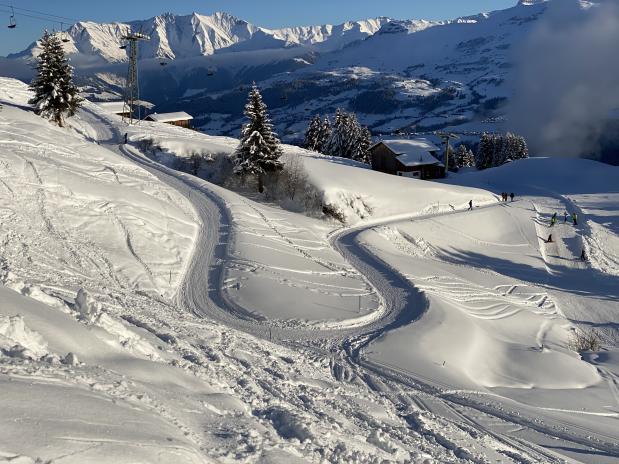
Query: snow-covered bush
point(585, 340)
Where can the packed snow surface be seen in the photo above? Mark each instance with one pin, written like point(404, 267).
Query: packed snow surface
point(149, 315)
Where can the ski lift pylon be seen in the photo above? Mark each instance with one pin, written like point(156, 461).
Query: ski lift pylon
point(12, 22)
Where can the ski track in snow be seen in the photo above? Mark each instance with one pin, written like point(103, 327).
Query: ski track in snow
point(203, 292)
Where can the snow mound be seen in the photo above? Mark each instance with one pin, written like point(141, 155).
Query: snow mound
point(18, 340)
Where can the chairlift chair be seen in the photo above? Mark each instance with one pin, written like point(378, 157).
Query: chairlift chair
point(12, 22)
point(64, 34)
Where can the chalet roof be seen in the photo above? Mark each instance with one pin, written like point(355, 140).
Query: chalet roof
point(414, 152)
point(113, 106)
point(169, 117)
point(117, 107)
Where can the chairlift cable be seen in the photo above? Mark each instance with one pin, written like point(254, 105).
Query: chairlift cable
point(49, 15)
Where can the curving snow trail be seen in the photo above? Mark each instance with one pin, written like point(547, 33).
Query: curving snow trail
point(202, 292)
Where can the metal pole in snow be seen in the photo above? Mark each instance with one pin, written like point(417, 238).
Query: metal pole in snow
point(359, 304)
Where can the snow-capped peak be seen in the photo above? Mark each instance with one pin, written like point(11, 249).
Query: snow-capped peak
point(175, 36)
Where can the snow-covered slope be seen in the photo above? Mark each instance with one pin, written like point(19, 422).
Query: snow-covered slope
point(420, 334)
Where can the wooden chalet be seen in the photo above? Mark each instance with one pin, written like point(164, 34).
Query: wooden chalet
point(416, 158)
point(179, 118)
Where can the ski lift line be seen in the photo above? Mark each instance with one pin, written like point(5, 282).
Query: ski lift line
point(47, 20)
point(38, 12)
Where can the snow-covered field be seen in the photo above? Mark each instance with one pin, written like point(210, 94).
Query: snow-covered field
point(206, 326)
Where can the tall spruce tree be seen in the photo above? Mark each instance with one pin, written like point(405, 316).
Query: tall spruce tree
point(313, 135)
point(259, 150)
point(348, 139)
point(485, 152)
point(364, 143)
point(336, 145)
point(55, 95)
point(464, 157)
point(325, 134)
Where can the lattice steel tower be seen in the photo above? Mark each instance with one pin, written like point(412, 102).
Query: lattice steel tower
point(132, 88)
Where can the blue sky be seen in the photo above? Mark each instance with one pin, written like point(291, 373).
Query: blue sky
point(267, 13)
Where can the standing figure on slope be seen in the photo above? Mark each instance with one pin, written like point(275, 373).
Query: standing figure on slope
point(575, 219)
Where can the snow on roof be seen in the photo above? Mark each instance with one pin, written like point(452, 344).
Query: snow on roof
point(415, 152)
point(113, 106)
point(117, 107)
point(169, 117)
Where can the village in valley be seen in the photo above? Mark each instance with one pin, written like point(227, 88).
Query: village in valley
point(379, 241)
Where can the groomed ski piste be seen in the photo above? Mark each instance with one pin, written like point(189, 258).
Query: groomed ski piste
point(147, 315)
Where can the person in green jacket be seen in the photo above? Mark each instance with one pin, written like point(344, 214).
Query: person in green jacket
point(575, 219)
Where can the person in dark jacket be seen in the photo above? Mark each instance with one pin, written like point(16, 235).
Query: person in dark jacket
point(511, 195)
point(471, 205)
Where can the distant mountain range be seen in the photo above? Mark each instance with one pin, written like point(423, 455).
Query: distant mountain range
point(398, 75)
point(176, 37)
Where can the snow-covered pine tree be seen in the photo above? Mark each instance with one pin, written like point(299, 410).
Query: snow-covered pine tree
point(336, 144)
point(363, 145)
point(452, 164)
point(485, 152)
point(313, 135)
point(460, 155)
point(259, 150)
point(55, 95)
point(499, 150)
point(464, 157)
point(325, 133)
point(521, 149)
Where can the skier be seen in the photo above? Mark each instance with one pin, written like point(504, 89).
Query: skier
point(126, 135)
point(575, 219)
point(471, 205)
point(549, 239)
point(565, 217)
point(511, 195)
point(553, 219)
point(583, 255)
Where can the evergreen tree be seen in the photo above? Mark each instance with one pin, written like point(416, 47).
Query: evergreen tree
point(485, 152)
point(336, 145)
point(259, 150)
point(348, 138)
point(521, 149)
point(55, 95)
point(364, 143)
point(464, 157)
point(325, 133)
point(313, 135)
point(451, 157)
